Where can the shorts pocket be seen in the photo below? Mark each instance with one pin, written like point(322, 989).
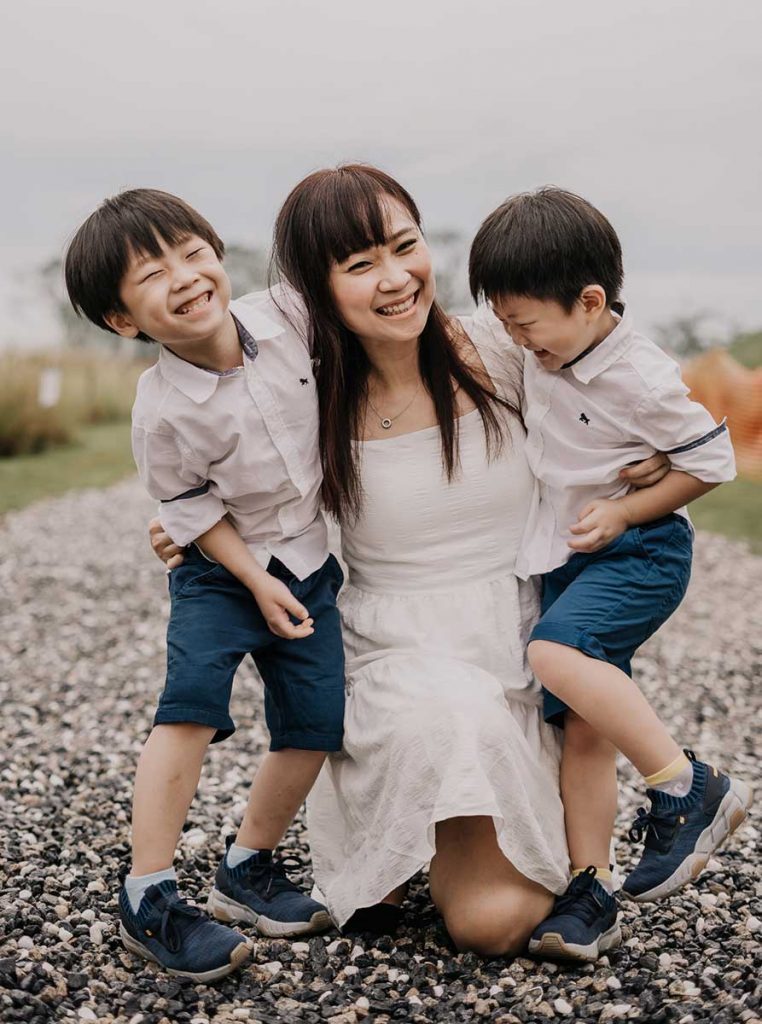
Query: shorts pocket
point(186, 577)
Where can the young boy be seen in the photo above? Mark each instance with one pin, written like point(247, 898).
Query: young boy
point(224, 425)
point(614, 564)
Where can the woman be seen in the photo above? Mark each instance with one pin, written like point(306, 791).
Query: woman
point(446, 756)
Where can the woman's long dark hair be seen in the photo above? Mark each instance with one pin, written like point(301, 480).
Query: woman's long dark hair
point(328, 216)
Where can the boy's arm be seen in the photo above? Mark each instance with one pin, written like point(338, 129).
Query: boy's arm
point(275, 600)
point(605, 519)
point(698, 449)
point(190, 512)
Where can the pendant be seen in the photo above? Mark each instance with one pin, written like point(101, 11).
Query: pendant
point(386, 423)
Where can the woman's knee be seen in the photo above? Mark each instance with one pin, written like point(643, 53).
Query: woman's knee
point(488, 930)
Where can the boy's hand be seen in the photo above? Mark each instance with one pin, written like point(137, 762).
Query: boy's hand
point(276, 602)
point(163, 545)
point(600, 522)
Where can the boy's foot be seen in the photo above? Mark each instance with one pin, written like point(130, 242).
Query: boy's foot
point(582, 924)
point(683, 832)
point(259, 892)
point(178, 936)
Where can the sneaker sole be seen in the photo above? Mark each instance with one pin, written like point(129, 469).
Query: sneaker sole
point(239, 955)
point(553, 947)
point(730, 814)
point(225, 909)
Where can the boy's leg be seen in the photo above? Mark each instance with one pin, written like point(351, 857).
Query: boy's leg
point(280, 787)
point(589, 794)
point(583, 922)
point(304, 707)
point(208, 635)
point(609, 701)
point(165, 783)
point(611, 607)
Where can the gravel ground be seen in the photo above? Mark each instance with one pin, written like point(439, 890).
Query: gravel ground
point(83, 612)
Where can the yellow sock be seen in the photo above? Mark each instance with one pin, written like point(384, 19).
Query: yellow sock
point(602, 875)
point(670, 772)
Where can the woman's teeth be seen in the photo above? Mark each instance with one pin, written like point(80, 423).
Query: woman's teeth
point(402, 307)
point(196, 304)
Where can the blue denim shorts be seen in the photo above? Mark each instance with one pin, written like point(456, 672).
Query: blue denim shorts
point(215, 622)
point(608, 603)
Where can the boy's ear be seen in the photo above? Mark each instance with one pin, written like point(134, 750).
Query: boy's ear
point(122, 324)
point(593, 299)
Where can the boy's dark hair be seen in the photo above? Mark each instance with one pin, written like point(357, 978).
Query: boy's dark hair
point(547, 244)
point(131, 222)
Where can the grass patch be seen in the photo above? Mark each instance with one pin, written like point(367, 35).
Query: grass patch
point(99, 456)
point(732, 509)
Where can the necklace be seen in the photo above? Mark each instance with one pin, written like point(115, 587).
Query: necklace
point(386, 421)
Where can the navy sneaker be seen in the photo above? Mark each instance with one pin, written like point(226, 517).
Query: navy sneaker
point(259, 892)
point(683, 832)
point(178, 936)
point(582, 924)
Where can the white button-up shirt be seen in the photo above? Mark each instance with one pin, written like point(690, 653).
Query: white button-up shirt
point(243, 443)
point(618, 404)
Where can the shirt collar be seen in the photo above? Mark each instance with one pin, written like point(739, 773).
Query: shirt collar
point(607, 352)
point(199, 384)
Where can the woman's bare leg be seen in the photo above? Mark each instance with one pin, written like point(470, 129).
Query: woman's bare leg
point(488, 906)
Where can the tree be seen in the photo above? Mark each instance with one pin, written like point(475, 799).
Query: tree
point(692, 334)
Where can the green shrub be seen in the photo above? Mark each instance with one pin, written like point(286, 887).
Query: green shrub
point(93, 388)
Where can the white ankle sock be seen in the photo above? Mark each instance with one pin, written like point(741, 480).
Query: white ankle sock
point(136, 885)
point(236, 854)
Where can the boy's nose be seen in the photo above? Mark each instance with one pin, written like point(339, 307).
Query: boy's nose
point(183, 276)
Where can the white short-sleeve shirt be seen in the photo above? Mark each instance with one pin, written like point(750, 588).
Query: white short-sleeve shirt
point(616, 405)
point(243, 443)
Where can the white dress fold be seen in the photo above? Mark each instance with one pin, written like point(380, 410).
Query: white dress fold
point(443, 715)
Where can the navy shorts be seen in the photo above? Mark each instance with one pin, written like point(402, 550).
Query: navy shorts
point(608, 603)
point(215, 622)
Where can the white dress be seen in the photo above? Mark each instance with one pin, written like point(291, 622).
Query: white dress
point(443, 715)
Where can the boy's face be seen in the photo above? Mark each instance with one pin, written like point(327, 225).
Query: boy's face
point(179, 298)
point(544, 328)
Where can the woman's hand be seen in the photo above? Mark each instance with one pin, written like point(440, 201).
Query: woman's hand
point(648, 472)
point(163, 545)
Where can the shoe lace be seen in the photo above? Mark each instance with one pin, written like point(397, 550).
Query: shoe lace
point(580, 900)
point(657, 828)
point(275, 873)
point(176, 916)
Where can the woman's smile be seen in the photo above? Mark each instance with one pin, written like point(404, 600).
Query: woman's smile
point(399, 308)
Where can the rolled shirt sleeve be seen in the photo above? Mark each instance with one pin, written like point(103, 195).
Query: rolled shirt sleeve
point(188, 507)
point(686, 432)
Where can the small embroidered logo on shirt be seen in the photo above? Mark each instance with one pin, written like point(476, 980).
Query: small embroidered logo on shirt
point(303, 381)
point(584, 419)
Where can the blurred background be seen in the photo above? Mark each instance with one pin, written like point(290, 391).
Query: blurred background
point(650, 110)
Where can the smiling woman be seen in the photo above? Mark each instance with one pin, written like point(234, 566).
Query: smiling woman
point(369, 279)
point(446, 758)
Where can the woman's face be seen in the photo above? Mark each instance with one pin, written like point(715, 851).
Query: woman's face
point(384, 294)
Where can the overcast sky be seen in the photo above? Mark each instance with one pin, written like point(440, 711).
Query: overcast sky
point(651, 108)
